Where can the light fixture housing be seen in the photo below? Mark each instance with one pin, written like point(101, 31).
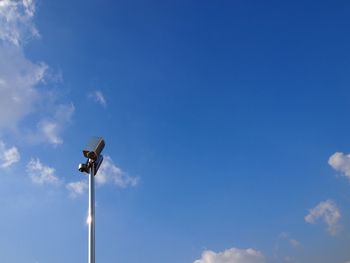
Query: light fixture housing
point(94, 148)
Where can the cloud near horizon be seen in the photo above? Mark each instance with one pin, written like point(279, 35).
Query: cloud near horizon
point(232, 255)
point(328, 212)
point(292, 241)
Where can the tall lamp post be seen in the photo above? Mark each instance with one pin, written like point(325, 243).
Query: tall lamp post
point(92, 152)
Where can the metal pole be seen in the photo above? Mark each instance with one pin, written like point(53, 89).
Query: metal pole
point(91, 216)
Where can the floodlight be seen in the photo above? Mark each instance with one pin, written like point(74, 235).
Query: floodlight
point(94, 148)
point(83, 167)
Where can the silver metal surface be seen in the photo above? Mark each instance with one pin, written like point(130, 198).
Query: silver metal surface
point(91, 214)
point(93, 152)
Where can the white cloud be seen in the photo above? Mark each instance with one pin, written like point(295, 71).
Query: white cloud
point(50, 129)
point(20, 77)
point(8, 156)
point(293, 242)
point(109, 172)
point(41, 174)
point(328, 212)
point(232, 255)
point(283, 246)
point(98, 97)
point(16, 21)
point(341, 163)
point(77, 188)
point(290, 259)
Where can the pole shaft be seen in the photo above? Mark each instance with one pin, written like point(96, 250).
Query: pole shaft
point(91, 216)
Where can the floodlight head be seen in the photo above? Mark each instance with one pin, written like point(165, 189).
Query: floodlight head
point(94, 148)
point(83, 167)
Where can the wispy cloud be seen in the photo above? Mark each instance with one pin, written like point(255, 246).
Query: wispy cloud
point(98, 97)
point(341, 163)
point(8, 156)
point(77, 188)
point(328, 212)
point(16, 21)
point(282, 248)
point(50, 129)
point(293, 242)
point(109, 172)
point(232, 255)
point(41, 174)
point(20, 76)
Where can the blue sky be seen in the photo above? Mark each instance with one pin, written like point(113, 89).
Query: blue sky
point(226, 128)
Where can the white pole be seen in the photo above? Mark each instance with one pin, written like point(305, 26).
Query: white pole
point(91, 215)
